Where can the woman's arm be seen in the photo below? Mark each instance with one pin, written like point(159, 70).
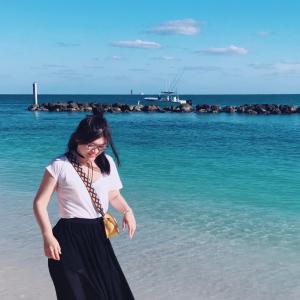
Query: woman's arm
point(40, 204)
point(119, 203)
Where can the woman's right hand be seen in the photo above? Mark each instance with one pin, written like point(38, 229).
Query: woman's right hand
point(41, 200)
point(51, 247)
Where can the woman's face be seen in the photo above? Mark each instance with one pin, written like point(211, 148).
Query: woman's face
point(92, 150)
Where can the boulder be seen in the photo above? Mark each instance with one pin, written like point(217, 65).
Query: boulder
point(116, 109)
point(251, 112)
point(33, 107)
point(229, 109)
point(276, 111)
point(126, 108)
point(203, 108)
point(185, 107)
point(117, 105)
point(149, 108)
point(293, 109)
point(241, 109)
point(43, 109)
point(138, 108)
point(72, 106)
point(260, 109)
point(167, 108)
point(215, 108)
point(160, 109)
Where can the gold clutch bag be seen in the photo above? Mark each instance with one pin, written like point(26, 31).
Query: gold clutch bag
point(110, 225)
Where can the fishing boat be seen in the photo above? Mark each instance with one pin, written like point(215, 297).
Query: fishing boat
point(168, 96)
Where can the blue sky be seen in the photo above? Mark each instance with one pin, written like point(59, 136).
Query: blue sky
point(107, 47)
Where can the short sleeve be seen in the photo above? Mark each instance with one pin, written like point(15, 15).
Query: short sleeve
point(55, 167)
point(115, 182)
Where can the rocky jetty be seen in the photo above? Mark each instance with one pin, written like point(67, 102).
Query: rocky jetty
point(250, 109)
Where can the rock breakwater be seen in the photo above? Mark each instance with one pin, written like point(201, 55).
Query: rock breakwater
point(250, 109)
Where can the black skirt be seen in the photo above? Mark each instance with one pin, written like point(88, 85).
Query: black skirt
point(88, 268)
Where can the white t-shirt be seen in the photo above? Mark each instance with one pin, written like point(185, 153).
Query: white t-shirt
point(74, 200)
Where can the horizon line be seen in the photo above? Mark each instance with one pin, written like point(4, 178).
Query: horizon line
point(145, 94)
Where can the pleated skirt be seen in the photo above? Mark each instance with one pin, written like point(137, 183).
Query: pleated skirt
point(88, 268)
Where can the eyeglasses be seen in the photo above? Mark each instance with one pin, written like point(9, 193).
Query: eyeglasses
point(98, 147)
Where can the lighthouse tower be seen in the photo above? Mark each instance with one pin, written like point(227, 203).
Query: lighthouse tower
point(35, 93)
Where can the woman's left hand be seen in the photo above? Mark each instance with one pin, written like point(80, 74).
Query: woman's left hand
point(129, 220)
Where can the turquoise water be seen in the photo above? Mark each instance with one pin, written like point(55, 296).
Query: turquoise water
point(216, 199)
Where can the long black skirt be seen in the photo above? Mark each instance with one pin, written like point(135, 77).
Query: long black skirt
point(88, 268)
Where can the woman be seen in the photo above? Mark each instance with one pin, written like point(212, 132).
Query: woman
point(81, 260)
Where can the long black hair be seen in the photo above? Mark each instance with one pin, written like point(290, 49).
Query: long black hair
point(89, 129)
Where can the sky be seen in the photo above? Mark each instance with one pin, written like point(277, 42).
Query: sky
point(113, 47)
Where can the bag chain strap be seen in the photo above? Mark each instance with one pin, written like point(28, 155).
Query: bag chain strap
point(87, 183)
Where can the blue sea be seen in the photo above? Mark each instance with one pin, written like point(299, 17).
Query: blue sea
point(216, 198)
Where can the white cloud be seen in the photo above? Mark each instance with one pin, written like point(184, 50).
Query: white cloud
point(278, 68)
point(95, 67)
point(203, 68)
point(183, 27)
point(264, 33)
point(50, 67)
point(230, 50)
point(136, 44)
point(287, 67)
point(47, 66)
point(137, 69)
point(68, 73)
point(116, 57)
point(166, 57)
point(66, 45)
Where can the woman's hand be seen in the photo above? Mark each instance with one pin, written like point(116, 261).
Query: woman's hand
point(129, 220)
point(119, 203)
point(51, 247)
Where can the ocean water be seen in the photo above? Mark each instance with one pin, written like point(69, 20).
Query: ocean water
point(216, 199)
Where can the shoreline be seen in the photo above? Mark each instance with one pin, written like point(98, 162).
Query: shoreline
point(250, 109)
